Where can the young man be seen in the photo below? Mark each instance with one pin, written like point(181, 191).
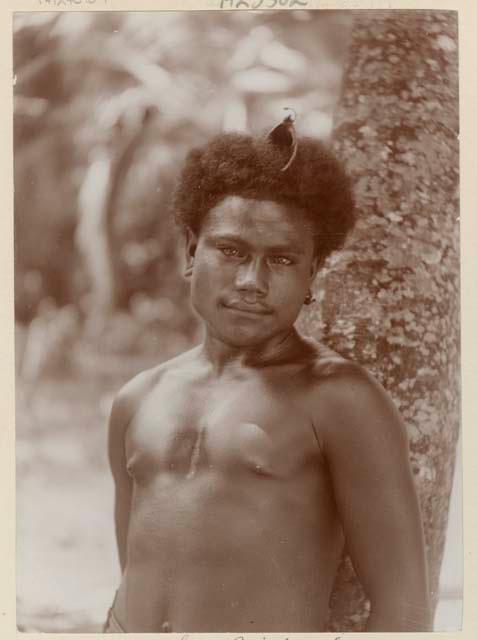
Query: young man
point(244, 465)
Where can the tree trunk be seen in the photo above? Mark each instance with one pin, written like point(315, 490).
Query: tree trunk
point(92, 237)
point(98, 204)
point(391, 300)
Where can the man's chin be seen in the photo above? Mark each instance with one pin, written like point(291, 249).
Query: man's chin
point(244, 339)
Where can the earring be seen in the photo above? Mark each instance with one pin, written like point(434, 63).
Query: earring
point(310, 298)
point(189, 268)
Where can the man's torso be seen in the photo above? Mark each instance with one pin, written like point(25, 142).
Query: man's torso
point(233, 525)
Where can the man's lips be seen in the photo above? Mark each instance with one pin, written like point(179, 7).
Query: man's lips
point(250, 308)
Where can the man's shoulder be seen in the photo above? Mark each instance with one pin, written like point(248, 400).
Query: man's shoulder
point(133, 392)
point(348, 396)
point(331, 370)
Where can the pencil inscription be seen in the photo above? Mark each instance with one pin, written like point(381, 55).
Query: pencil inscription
point(70, 3)
point(263, 4)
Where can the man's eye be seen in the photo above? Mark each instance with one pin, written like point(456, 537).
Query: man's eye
point(231, 252)
point(282, 260)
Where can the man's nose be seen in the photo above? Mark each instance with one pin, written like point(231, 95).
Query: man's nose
point(252, 277)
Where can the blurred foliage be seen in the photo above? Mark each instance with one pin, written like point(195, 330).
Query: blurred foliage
point(122, 97)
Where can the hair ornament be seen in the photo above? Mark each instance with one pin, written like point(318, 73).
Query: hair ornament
point(284, 135)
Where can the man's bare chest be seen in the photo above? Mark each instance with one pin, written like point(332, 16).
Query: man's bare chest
point(246, 427)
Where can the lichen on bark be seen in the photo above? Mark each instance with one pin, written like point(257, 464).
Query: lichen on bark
point(390, 300)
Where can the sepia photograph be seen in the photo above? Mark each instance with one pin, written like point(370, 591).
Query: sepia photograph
point(237, 321)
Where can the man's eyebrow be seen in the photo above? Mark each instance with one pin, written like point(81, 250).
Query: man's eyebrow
point(228, 237)
point(292, 247)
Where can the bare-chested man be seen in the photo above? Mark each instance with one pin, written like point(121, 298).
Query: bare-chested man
point(244, 465)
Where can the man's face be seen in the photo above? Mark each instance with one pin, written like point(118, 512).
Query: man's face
point(251, 267)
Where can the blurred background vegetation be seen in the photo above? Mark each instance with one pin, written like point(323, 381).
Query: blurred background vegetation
point(105, 107)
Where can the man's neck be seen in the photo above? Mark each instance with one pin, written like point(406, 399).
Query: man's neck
point(283, 348)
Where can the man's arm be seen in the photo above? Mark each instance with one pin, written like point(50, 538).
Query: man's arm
point(118, 423)
point(366, 447)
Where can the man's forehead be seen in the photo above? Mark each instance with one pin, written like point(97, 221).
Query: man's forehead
point(248, 216)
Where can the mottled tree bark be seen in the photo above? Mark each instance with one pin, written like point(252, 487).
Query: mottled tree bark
point(391, 299)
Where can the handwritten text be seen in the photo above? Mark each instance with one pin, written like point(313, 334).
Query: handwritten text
point(70, 3)
point(263, 4)
point(189, 636)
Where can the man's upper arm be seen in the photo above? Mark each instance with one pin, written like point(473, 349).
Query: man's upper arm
point(366, 447)
point(123, 409)
point(122, 412)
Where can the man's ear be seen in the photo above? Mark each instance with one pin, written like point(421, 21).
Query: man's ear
point(191, 245)
point(316, 265)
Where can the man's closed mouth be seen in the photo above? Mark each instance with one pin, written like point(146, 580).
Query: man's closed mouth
point(252, 309)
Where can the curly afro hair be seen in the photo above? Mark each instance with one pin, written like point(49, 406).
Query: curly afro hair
point(251, 167)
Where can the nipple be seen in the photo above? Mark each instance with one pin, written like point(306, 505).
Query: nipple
point(166, 627)
point(261, 469)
